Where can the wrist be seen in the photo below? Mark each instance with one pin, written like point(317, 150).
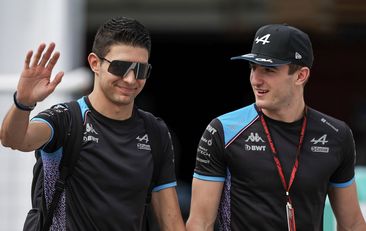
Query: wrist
point(21, 106)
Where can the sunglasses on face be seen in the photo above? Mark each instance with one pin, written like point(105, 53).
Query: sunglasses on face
point(121, 68)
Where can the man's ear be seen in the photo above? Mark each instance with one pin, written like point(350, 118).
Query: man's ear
point(303, 75)
point(94, 62)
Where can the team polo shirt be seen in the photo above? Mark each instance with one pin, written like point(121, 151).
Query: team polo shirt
point(109, 184)
point(234, 149)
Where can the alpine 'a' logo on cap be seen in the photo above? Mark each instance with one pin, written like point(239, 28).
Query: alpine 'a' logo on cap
point(264, 39)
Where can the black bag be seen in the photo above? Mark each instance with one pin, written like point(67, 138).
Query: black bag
point(38, 218)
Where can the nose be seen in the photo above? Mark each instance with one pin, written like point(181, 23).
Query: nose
point(130, 76)
point(255, 77)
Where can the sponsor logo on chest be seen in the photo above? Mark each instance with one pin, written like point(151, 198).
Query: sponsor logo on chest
point(254, 142)
point(319, 144)
point(142, 143)
point(90, 134)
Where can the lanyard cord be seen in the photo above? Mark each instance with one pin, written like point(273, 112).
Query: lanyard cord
point(277, 160)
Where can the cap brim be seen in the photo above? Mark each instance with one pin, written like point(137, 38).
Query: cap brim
point(261, 60)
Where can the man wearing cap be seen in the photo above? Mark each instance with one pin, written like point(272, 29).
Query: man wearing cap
point(270, 165)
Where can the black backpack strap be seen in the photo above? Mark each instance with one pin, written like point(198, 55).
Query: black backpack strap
point(71, 152)
point(154, 130)
point(37, 185)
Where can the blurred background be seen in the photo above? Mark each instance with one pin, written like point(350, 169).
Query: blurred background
point(193, 79)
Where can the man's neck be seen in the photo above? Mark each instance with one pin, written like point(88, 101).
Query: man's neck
point(286, 114)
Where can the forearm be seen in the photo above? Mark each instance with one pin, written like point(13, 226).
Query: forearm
point(199, 226)
point(174, 223)
point(346, 208)
point(205, 201)
point(14, 128)
point(360, 225)
point(167, 210)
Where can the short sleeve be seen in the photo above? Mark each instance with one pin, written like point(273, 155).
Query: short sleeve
point(57, 118)
point(344, 174)
point(210, 161)
point(166, 178)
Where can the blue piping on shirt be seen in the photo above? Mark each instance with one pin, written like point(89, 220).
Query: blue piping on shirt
point(342, 185)
point(83, 107)
point(209, 178)
point(164, 186)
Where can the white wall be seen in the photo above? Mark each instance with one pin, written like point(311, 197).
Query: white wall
point(24, 24)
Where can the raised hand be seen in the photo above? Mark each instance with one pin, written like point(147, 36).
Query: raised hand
point(35, 80)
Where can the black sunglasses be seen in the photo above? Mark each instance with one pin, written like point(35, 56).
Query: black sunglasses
point(121, 68)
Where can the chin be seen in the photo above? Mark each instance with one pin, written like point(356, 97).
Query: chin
point(123, 100)
point(260, 103)
point(126, 101)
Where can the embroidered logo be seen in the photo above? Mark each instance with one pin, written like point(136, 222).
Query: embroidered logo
point(321, 140)
point(89, 129)
point(90, 134)
point(207, 141)
point(203, 155)
point(329, 124)
point(263, 39)
point(142, 144)
point(211, 129)
point(255, 138)
point(145, 138)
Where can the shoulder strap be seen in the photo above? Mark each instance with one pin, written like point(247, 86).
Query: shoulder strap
point(71, 152)
point(153, 129)
point(37, 181)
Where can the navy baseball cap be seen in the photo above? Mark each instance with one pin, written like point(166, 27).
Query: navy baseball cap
point(279, 44)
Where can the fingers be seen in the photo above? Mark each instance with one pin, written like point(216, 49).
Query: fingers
point(53, 61)
point(27, 59)
point(37, 56)
point(46, 56)
point(53, 84)
point(41, 57)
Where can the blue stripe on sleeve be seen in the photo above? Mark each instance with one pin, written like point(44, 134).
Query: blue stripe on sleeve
point(209, 178)
point(164, 186)
point(342, 185)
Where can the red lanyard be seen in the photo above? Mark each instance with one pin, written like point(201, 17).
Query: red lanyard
point(291, 225)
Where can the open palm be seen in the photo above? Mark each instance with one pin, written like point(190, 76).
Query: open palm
point(35, 81)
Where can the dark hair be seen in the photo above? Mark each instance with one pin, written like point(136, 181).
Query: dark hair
point(121, 30)
point(293, 68)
